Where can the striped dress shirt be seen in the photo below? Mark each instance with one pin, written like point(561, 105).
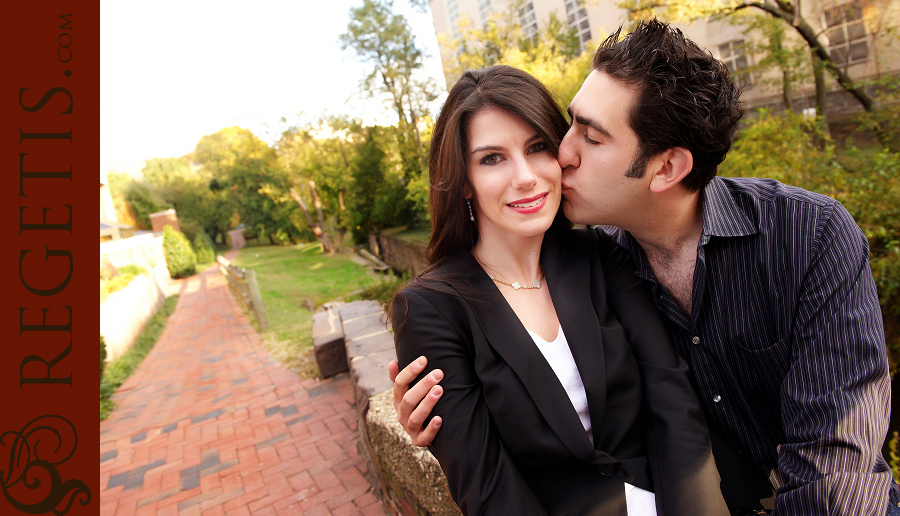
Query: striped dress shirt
point(786, 343)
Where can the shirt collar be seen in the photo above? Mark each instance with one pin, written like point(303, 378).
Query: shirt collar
point(722, 217)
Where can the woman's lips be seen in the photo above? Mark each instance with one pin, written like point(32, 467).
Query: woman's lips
point(529, 205)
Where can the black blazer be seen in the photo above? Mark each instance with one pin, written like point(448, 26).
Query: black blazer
point(511, 441)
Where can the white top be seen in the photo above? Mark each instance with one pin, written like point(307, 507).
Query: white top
point(557, 353)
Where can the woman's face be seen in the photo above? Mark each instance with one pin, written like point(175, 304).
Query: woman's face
point(514, 176)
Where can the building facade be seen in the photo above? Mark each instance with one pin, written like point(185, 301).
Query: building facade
point(860, 34)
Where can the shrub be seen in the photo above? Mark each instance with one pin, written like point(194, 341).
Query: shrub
point(180, 258)
point(204, 247)
point(102, 357)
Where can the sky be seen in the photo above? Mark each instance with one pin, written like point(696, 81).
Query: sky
point(174, 71)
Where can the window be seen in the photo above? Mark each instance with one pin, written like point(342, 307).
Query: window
point(734, 55)
point(453, 14)
point(484, 10)
point(528, 20)
point(846, 33)
point(577, 18)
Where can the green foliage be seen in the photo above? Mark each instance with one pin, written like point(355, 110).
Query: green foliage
point(204, 248)
point(110, 283)
point(180, 258)
point(382, 291)
point(247, 171)
point(144, 200)
point(554, 56)
point(102, 357)
point(417, 192)
point(792, 149)
point(378, 196)
point(119, 370)
point(132, 269)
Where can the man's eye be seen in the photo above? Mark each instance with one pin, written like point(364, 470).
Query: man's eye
point(589, 140)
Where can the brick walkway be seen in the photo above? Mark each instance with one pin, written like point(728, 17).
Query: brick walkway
point(210, 425)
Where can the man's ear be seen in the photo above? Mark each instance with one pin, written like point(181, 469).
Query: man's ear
point(669, 167)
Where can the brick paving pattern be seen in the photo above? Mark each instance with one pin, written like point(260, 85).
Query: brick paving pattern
point(210, 425)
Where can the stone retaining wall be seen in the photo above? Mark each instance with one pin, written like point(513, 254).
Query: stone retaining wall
point(400, 254)
point(407, 478)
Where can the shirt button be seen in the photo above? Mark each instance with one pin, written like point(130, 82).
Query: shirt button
point(696, 340)
point(717, 398)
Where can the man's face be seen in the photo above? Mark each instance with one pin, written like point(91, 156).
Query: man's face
point(597, 152)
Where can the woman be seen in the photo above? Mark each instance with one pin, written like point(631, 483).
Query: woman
point(562, 392)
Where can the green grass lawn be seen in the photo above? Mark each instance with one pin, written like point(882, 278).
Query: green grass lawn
point(293, 279)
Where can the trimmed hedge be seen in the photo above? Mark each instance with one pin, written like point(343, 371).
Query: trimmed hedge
point(180, 258)
point(204, 247)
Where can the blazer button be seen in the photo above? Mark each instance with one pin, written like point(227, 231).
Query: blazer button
point(606, 469)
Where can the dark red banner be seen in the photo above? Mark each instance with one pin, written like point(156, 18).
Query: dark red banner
point(49, 322)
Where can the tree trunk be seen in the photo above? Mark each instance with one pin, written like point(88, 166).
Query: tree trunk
point(786, 89)
point(809, 35)
point(317, 229)
point(821, 94)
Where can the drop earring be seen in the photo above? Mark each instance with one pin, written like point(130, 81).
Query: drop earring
point(471, 215)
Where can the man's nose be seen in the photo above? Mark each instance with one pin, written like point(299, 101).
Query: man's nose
point(567, 155)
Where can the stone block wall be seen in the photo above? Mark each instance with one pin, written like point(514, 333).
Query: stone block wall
point(408, 479)
point(401, 254)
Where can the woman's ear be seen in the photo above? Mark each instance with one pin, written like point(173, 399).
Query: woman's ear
point(669, 167)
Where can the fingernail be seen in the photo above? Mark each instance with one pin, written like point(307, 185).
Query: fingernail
point(420, 361)
point(437, 424)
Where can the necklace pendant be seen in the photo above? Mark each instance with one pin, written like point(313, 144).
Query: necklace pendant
point(536, 283)
point(516, 285)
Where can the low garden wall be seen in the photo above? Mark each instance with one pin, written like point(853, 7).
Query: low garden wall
point(407, 478)
point(124, 314)
point(401, 254)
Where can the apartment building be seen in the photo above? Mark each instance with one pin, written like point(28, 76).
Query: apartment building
point(861, 36)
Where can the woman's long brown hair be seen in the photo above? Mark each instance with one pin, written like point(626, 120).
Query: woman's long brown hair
point(452, 232)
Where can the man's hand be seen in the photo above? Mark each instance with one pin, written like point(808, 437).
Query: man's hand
point(414, 405)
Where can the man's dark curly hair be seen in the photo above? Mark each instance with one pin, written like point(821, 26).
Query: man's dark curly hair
point(685, 96)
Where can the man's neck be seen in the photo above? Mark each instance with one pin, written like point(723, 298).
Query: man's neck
point(670, 244)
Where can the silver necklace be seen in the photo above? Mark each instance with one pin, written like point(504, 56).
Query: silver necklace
point(515, 284)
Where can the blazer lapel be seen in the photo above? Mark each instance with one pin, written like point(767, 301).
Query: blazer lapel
point(568, 277)
point(508, 337)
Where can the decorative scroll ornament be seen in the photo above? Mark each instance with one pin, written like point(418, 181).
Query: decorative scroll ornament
point(31, 482)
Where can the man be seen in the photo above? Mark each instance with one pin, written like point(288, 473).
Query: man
point(766, 288)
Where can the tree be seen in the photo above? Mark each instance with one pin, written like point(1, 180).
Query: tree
point(554, 57)
point(317, 158)
point(378, 196)
point(385, 41)
point(247, 169)
point(787, 11)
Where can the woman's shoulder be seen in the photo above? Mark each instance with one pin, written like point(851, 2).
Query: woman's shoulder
point(445, 280)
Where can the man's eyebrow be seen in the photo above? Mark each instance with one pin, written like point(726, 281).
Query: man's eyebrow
point(597, 126)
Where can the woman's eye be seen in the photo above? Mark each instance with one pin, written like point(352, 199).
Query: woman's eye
point(490, 159)
point(538, 147)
